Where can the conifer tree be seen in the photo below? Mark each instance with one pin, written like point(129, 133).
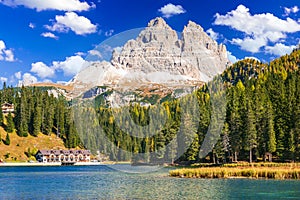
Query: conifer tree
point(1, 115)
point(270, 133)
point(251, 133)
point(7, 140)
point(10, 123)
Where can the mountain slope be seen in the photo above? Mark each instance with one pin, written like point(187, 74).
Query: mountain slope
point(158, 55)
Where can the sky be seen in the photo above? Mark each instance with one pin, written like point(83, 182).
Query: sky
point(49, 40)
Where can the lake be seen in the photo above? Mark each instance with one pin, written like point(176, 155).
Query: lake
point(103, 182)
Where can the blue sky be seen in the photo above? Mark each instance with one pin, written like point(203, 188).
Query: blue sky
point(49, 40)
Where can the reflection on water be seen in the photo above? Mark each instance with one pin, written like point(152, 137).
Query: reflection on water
point(101, 182)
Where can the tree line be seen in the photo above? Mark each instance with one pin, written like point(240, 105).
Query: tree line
point(252, 109)
point(262, 115)
point(36, 111)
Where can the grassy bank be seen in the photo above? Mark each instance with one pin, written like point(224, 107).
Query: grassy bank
point(279, 172)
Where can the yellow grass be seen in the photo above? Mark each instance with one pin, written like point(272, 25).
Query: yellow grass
point(19, 145)
point(250, 172)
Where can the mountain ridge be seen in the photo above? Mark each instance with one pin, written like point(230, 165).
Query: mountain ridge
point(157, 56)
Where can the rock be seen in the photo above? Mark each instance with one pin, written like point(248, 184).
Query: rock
point(159, 55)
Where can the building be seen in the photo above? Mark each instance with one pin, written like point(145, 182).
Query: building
point(7, 107)
point(49, 156)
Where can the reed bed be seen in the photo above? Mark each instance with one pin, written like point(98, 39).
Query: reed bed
point(246, 164)
point(250, 172)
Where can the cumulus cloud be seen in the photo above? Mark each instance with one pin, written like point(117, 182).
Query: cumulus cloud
point(71, 21)
point(279, 49)
point(42, 70)
point(28, 79)
point(288, 11)
point(259, 29)
point(231, 57)
point(252, 45)
point(6, 54)
point(212, 34)
point(18, 75)
point(170, 9)
point(40, 5)
point(49, 35)
point(71, 66)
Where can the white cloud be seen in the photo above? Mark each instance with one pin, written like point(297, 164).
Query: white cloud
point(40, 5)
point(31, 25)
point(212, 34)
point(259, 29)
point(288, 11)
point(18, 75)
point(71, 21)
point(250, 44)
point(3, 79)
point(71, 66)
point(28, 79)
point(42, 70)
point(95, 53)
point(6, 54)
point(231, 57)
point(49, 35)
point(109, 33)
point(9, 55)
point(280, 49)
point(170, 9)
point(80, 54)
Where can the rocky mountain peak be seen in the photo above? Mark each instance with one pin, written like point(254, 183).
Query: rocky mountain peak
point(158, 55)
point(192, 26)
point(159, 23)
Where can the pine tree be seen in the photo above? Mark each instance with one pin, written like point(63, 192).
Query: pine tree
point(270, 133)
point(7, 140)
point(37, 114)
point(1, 115)
point(10, 123)
point(251, 133)
point(22, 114)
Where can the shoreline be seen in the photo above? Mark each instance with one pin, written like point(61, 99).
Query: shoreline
point(37, 164)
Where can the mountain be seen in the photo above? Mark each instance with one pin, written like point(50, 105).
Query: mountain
point(157, 56)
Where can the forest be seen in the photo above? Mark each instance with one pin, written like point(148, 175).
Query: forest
point(251, 110)
point(37, 112)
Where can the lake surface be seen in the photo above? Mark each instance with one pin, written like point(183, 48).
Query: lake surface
point(102, 182)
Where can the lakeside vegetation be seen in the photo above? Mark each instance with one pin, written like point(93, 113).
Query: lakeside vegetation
point(238, 170)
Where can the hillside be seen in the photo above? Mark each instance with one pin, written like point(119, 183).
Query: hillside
point(19, 145)
point(261, 109)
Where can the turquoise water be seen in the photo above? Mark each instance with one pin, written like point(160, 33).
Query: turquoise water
point(102, 182)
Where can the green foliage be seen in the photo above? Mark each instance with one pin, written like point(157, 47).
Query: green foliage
point(262, 115)
point(31, 152)
point(1, 115)
point(10, 123)
point(7, 139)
